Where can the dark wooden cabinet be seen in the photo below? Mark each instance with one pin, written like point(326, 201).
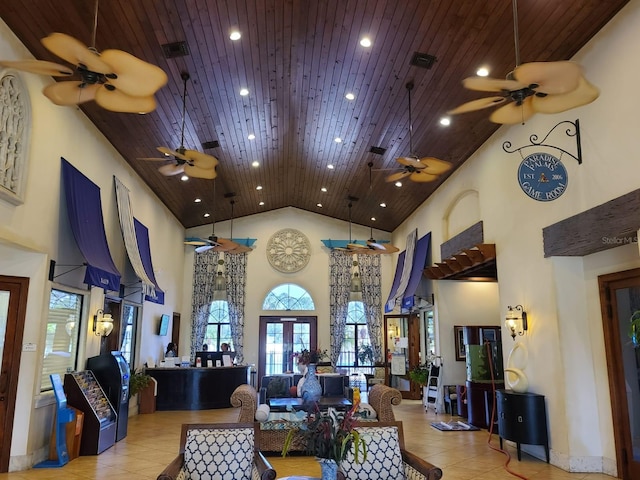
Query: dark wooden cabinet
point(522, 418)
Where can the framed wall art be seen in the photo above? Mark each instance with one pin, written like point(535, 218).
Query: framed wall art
point(461, 351)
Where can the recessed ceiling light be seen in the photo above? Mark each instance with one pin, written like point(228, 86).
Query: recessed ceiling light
point(235, 35)
point(330, 166)
point(259, 187)
point(483, 72)
point(319, 205)
point(337, 140)
point(373, 219)
point(255, 163)
point(184, 178)
point(445, 121)
point(197, 200)
point(251, 136)
point(365, 42)
point(323, 189)
point(398, 184)
point(207, 215)
point(244, 92)
point(350, 96)
point(383, 205)
point(261, 203)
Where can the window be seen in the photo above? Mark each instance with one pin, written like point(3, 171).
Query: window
point(356, 335)
point(218, 326)
point(288, 296)
point(61, 343)
point(128, 333)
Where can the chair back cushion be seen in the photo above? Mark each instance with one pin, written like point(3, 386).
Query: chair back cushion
point(219, 453)
point(277, 386)
point(384, 459)
point(333, 385)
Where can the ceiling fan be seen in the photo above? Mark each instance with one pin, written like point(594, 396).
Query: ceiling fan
point(190, 162)
point(114, 79)
point(426, 169)
point(537, 87)
point(370, 247)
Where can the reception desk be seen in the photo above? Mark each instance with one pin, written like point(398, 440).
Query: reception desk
point(197, 388)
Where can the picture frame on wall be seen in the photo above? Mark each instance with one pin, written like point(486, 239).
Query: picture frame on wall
point(163, 328)
point(461, 351)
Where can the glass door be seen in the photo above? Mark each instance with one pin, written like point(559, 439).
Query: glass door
point(402, 348)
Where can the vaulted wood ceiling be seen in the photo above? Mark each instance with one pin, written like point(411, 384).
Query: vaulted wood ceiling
point(299, 58)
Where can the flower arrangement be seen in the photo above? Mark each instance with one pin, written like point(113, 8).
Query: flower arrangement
point(419, 374)
point(305, 357)
point(329, 435)
point(365, 354)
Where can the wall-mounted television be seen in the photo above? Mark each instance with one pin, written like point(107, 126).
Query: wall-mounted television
point(163, 328)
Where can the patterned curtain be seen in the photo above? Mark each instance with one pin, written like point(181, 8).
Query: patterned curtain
point(369, 266)
point(235, 270)
point(204, 273)
point(339, 286)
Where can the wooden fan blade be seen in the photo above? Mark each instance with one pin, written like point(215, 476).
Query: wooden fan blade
point(70, 93)
point(422, 177)
point(118, 101)
point(388, 248)
point(172, 153)
point(584, 94)
point(74, 52)
point(197, 172)
point(512, 113)
point(225, 245)
point(435, 166)
point(171, 169)
point(39, 66)
point(479, 104)
point(135, 77)
point(397, 176)
point(197, 242)
point(410, 162)
point(486, 84)
point(552, 77)
point(201, 160)
point(240, 249)
point(154, 159)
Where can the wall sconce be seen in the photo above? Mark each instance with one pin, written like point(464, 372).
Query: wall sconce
point(102, 323)
point(516, 320)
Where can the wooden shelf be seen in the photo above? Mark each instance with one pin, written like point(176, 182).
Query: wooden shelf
point(477, 263)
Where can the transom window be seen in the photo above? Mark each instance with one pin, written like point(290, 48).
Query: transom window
point(288, 296)
point(218, 326)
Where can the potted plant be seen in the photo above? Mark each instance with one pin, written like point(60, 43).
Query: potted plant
point(634, 328)
point(419, 374)
point(138, 381)
point(329, 436)
point(306, 357)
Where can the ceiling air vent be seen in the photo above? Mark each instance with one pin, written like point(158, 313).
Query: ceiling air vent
point(211, 144)
point(378, 150)
point(422, 60)
point(175, 49)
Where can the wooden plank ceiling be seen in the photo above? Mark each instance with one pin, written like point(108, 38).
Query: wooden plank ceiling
point(299, 58)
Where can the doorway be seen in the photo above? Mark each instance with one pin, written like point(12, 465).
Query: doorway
point(13, 307)
point(620, 300)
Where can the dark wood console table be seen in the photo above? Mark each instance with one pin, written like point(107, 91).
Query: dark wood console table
point(197, 388)
point(522, 418)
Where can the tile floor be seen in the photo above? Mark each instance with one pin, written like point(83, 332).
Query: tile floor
point(152, 442)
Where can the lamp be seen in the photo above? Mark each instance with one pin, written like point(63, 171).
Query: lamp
point(355, 291)
point(102, 323)
point(516, 317)
point(220, 283)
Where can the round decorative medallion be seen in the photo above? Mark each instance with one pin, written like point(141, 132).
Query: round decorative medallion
point(288, 250)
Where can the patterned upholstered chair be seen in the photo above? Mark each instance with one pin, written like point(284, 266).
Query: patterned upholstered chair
point(219, 450)
point(386, 457)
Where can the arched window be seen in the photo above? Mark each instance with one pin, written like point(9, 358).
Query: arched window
point(356, 336)
point(218, 326)
point(288, 296)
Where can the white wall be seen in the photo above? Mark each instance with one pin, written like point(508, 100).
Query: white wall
point(35, 232)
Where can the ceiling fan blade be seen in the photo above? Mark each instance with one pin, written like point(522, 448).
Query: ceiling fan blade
point(39, 66)
point(410, 162)
point(512, 113)
point(198, 242)
point(204, 248)
point(397, 176)
point(487, 84)
point(422, 177)
point(479, 104)
point(171, 169)
point(584, 94)
point(552, 77)
point(225, 245)
point(240, 249)
point(118, 101)
point(154, 159)
point(197, 172)
point(70, 93)
point(201, 160)
point(135, 77)
point(74, 52)
point(435, 166)
point(172, 153)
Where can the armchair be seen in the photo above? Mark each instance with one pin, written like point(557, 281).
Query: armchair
point(219, 450)
point(387, 458)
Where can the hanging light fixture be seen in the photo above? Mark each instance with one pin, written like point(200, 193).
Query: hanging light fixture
point(220, 283)
point(355, 291)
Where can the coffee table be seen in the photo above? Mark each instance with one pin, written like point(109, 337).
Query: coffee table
point(296, 403)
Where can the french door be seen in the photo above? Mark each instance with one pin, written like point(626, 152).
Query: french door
point(280, 338)
point(620, 301)
point(13, 306)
